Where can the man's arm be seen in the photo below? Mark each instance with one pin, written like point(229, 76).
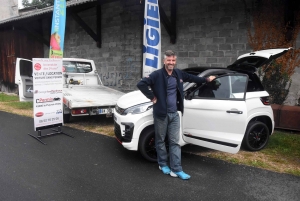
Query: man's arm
point(192, 78)
point(143, 86)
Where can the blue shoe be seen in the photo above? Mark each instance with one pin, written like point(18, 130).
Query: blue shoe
point(180, 174)
point(165, 169)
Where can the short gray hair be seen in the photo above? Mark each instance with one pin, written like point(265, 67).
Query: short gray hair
point(169, 53)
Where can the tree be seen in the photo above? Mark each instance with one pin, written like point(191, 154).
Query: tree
point(38, 3)
point(276, 24)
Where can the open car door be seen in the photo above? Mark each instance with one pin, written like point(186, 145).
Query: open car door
point(215, 114)
point(23, 78)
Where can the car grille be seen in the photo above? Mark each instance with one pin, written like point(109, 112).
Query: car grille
point(118, 131)
point(119, 110)
point(129, 127)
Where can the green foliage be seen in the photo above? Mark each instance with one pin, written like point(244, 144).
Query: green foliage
point(21, 105)
point(38, 3)
point(276, 82)
point(8, 98)
point(284, 144)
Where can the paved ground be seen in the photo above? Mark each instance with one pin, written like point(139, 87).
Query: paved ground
point(95, 167)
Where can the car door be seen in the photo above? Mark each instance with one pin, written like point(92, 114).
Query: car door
point(215, 114)
point(23, 78)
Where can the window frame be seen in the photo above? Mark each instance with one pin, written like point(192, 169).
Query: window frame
point(191, 95)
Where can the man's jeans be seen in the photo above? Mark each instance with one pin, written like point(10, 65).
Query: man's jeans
point(168, 126)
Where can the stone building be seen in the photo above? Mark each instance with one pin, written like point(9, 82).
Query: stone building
point(8, 8)
point(208, 33)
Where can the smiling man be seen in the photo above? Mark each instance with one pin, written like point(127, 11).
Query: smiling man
point(167, 96)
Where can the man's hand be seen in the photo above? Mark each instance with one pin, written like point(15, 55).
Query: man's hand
point(210, 78)
point(154, 100)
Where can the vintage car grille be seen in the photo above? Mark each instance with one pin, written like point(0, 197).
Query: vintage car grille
point(119, 110)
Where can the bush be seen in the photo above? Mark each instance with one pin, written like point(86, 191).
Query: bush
point(275, 24)
point(276, 82)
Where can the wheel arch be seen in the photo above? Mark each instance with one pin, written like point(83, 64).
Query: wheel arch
point(265, 119)
point(145, 130)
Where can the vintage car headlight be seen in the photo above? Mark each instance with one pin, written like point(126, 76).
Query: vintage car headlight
point(137, 109)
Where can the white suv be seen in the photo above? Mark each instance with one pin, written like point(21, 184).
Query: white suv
point(221, 115)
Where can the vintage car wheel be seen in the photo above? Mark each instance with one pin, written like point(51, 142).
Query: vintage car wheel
point(147, 145)
point(257, 136)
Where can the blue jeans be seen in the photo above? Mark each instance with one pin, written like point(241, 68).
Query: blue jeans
point(168, 126)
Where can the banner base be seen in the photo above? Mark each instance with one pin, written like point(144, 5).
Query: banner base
point(58, 131)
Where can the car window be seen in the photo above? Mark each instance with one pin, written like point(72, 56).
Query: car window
point(225, 87)
point(25, 68)
point(76, 67)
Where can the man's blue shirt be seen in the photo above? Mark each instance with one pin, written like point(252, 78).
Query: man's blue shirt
point(172, 93)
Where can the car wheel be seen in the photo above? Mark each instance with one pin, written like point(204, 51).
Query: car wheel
point(147, 145)
point(257, 136)
point(67, 118)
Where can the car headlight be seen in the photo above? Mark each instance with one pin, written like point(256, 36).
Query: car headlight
point(137, 109)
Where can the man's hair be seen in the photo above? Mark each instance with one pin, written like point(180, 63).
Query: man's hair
point(169, 53)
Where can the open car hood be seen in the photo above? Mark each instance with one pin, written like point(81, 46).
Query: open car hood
point(252, 61)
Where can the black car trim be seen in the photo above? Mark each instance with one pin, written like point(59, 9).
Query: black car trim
point(212, 141)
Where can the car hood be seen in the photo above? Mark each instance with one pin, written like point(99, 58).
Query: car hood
point(132, 98)
point(254, 60)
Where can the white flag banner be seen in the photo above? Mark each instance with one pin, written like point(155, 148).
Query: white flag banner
point(151, 38)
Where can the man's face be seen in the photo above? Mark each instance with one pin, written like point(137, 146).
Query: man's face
point(170, 62)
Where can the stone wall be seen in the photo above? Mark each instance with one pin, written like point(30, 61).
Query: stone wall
point(8, 9)
point(209, 33)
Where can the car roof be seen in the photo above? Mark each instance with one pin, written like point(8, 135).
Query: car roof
point(205, 71)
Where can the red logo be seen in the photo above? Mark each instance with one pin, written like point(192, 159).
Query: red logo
point(37, 66)
point(39, 114)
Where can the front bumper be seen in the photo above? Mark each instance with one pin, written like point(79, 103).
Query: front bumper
point(126, 135)
point(128, 128)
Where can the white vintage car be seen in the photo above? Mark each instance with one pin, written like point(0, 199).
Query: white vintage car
point(221, 115)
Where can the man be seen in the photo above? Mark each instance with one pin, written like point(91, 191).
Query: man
point(167, 97)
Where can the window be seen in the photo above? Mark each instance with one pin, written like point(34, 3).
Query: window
point(25, 68)
point(225, 87)
point(76, 67)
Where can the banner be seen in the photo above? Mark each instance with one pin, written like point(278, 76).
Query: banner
point(151, 38)
point(47, 93)
point(58, 29)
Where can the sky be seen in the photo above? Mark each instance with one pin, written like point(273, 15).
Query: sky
point(20, 3)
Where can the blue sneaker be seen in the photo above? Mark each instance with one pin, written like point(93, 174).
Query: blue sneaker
point(180, 174)
point(165, 169)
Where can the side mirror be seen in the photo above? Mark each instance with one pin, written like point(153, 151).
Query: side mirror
point(189, 96)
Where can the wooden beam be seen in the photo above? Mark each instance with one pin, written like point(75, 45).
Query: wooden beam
point(84, 26)
point(170, 26)
point(98, 21)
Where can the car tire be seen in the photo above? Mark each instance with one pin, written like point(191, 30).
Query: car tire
point(67, 118)
point(147, 145)
point(256, 136)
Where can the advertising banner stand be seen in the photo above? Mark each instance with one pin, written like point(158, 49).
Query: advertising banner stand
point(57, 132)
point(47, 96)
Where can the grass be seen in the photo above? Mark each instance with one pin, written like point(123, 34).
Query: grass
point(21, 105)
point(287, 145)
point(282, 154)
point(8, 98)
point(10, 103)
